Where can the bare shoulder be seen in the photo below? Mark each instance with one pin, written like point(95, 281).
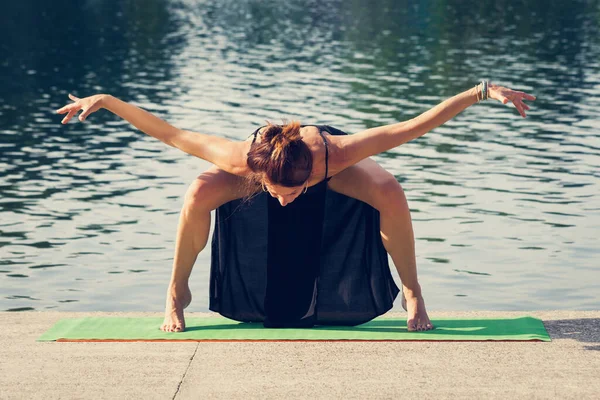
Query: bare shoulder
point(239, 157)
point(351, 149)
point(338, 153)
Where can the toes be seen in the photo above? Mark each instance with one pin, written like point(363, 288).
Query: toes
point(414, 326)
point(424, 327)
point(175, 328)
point(172, 327)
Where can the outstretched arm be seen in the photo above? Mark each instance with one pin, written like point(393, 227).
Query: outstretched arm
point(377, 140)
point(226, 154)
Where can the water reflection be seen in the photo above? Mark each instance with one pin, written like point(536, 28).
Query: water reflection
point(500, 204)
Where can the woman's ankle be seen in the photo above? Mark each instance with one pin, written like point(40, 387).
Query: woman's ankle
point(414, 291)
point(175, 284)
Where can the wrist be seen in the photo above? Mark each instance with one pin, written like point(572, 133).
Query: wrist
point(105, 100)
point(482, 91)
point(475, 94)
point(492, 91)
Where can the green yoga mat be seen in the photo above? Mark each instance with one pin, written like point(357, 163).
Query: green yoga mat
point(222, 329)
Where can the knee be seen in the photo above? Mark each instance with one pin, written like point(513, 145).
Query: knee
point(389, 196)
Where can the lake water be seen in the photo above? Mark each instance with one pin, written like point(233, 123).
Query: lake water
point(506, 210)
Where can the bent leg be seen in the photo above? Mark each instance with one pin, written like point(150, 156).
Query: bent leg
point(369, 182)
point(210, 190)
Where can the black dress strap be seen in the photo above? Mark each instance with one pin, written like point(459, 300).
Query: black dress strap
point(326, 153)
point(255, 133)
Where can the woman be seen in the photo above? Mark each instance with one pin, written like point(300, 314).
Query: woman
point(285, 162)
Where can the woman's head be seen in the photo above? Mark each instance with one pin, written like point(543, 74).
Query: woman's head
point(281, 162)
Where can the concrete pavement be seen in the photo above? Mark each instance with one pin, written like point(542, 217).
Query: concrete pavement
point(568, 367)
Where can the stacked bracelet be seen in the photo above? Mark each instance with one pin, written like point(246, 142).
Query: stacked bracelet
point(485, 92)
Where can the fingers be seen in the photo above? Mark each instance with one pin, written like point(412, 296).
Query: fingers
point(70, 115)
point(72, 109)
point(69, 107)
point(517, 100)
point(505, 95)
point(526, 96)
point(64, 109)
point(519, 106)
point(84, 114)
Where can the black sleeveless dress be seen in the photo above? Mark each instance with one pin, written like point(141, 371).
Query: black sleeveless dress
point(317, 261)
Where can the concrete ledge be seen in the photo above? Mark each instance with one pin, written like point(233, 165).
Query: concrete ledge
point(568, 367)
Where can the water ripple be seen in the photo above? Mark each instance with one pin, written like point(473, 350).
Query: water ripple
point(500, 204)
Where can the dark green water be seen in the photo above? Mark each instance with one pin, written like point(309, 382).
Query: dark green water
point(506, 210)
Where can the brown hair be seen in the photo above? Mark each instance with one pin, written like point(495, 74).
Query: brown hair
point(281, 156)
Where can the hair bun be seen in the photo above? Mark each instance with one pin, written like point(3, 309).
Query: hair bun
point(281, 136)
point(281, 157)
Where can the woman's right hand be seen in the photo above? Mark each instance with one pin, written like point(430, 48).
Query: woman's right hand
point(87, 104)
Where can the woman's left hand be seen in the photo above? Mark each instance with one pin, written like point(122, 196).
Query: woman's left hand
point(505, 95)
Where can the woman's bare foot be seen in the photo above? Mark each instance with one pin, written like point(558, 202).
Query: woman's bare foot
point(178, 297)
point(417, 315)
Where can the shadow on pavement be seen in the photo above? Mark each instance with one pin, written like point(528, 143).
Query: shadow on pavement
point(583, 330)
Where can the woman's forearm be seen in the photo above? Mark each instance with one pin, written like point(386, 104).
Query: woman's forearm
point(435, 116)
point(397, 134)
point(383, 138)
point(141, 119)
point(228, 155)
